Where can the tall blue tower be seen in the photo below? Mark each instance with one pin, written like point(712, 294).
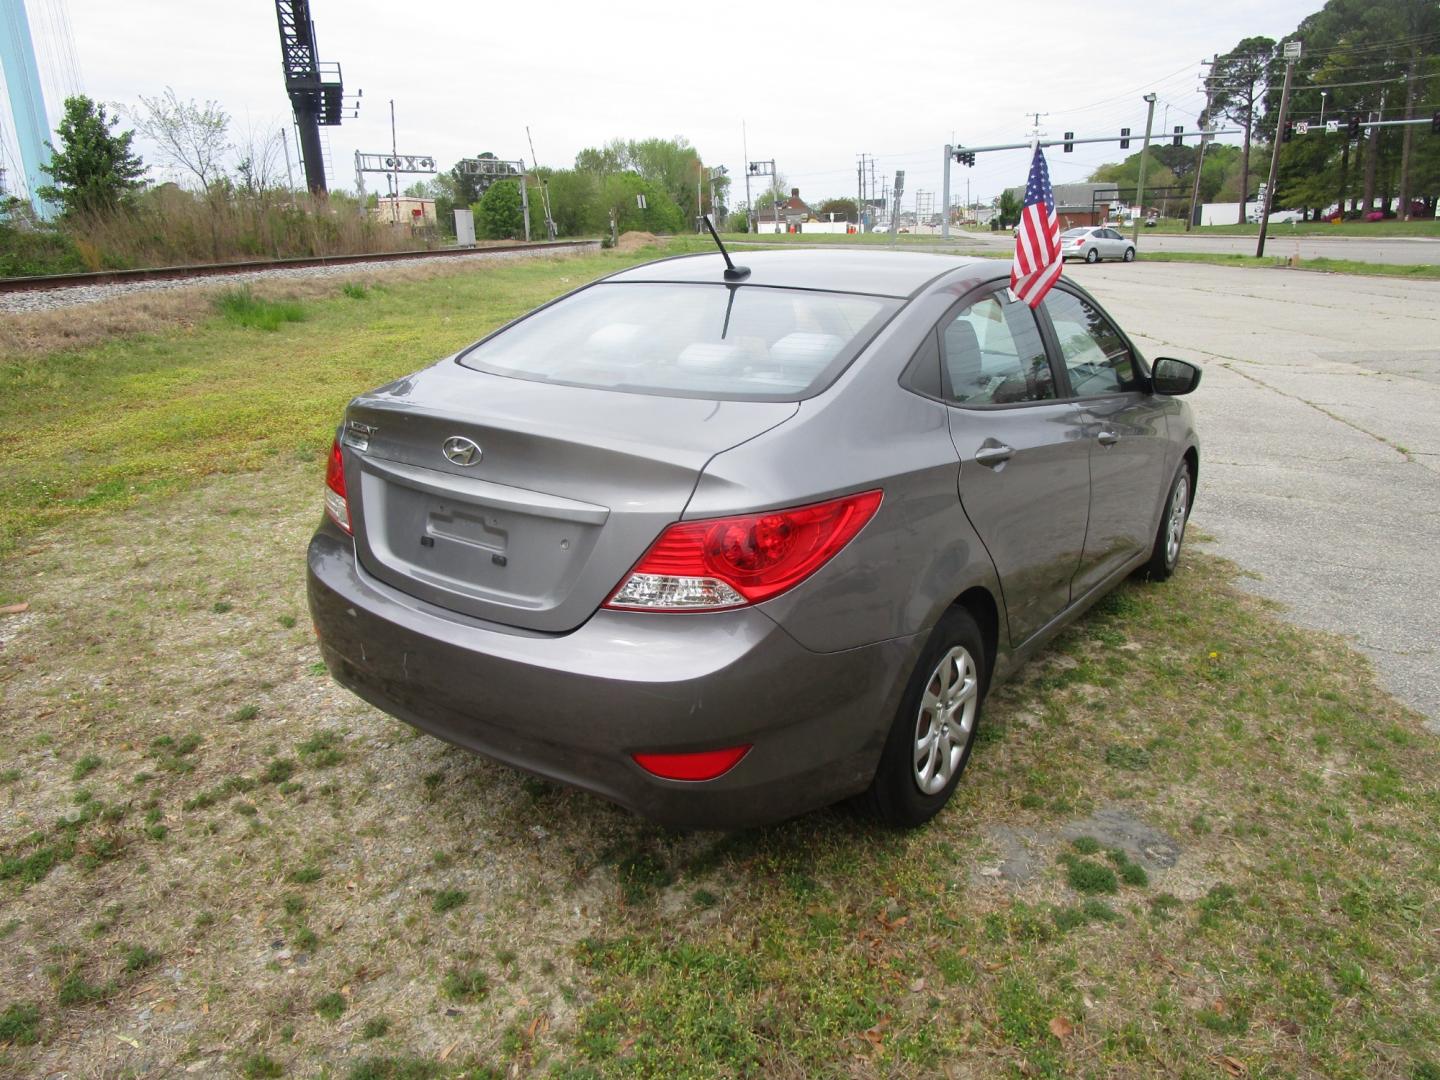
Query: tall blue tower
point(27, 101)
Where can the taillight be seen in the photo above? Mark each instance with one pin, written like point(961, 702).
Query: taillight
point(1080, 242)
point(335, 502)
point(731, 562)
point(699, 765)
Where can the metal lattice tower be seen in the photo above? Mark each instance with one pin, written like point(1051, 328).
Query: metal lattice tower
point(317, 93)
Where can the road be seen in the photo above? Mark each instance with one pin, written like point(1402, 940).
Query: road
point(1320, 421)
point(1281, 243)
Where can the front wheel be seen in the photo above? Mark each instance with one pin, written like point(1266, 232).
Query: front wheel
point(934, 731)
point(1093, 255)
point(1129, 254)
point(1166, 553)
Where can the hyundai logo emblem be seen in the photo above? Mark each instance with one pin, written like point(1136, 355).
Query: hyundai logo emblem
point(461, 451)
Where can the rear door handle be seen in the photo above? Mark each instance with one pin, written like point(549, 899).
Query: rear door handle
point(1108, 438)
point(991, 456)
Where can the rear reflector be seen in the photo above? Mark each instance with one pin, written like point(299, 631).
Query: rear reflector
point(702, 765)
point(335, 502)
point(731, 562)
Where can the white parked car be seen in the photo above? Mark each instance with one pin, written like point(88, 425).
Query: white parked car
point(1094, 243)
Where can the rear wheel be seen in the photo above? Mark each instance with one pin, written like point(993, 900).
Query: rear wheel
point(1093, 255)
point(934, 731)
point(1129, 254)
point(1171, 535)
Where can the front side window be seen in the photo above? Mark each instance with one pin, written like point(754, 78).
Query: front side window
point(1096, 356)
point(993, 355)
point(743, 342)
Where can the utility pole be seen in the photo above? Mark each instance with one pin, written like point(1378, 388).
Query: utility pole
point(1409, 114)
point(550, 231)
point(1144, 157)
point(1292, 53)
point(1200, 155)
point(945, 193)
point(395, 176)
point(745, 150)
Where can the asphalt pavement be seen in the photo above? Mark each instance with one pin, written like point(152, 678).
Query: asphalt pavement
point(1281, 242)
point(1320, 425)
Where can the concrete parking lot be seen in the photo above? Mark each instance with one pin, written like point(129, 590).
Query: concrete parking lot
point(1320, 414)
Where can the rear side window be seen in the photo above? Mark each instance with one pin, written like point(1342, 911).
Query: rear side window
point(742, 342)
point(993, 355)
point(1096, 355)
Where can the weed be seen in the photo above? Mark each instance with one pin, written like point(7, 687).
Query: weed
point(641, 873)
point(1217, 904)
point(20, 1024)
point(220, 607)
point(9, 776)
point(241, 307)
point(448, 900)
point(354, 290)
point(138, 958)
point(330, 1006)
point(306, 875)
point(462, 985)
point(704, 898)
point(1087, 876)
point(260, 1066)
point(84, 767)
point(278, 771)
point(377, 1027)
point(292, 904)
point(244, 713)
point(75, 990)
point(9, 928)
point(287, 621)
point(395, 1068)
point(1085, 845)
point(305, 939)
point(1130, 758)
point(320, 751)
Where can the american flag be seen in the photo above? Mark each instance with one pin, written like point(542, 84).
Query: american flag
point(1037, 242)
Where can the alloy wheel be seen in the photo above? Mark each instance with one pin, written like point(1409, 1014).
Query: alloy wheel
point(945, 720)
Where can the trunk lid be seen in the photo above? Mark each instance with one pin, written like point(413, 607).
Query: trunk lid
point(568, 488)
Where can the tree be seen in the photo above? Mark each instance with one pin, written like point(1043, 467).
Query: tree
point(1009, 208)
point(193, 137)
point(498, 214)
point(1239, 82)
point(94, 168)
point(844, 209)
point(260, 154)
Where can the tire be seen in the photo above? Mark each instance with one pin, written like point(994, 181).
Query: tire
point(1129, 254)
point(1093, 255)
point(1170, 536)
point(907, 792)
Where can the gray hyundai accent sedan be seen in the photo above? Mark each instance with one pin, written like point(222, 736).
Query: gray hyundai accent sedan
point(725, 546)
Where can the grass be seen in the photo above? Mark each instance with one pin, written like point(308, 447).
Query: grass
point(241, 307)
point(1292, 933)
point(164, 411)
point(1424, 271)
point(1278, 230)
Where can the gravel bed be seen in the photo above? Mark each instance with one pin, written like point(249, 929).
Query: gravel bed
point(50, 299)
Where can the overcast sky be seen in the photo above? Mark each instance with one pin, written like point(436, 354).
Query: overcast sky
point(895, 80)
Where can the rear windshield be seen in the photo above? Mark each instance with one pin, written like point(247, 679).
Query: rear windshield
point(742, 342)
point(1074, 232)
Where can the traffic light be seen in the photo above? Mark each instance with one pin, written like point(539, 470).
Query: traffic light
point(963, 156)
point(1178, 141)
point(1435, 122)
point(1124, 138)
point(1069, 142)
point(1289, 131)
point(1352, 131)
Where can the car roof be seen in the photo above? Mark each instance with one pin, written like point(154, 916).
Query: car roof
point(878, 273)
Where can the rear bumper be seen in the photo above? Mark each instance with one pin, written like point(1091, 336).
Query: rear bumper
point(573, 707)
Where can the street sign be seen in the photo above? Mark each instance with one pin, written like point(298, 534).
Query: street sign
point(1302, 127)
point(1292, 50)
point(1332, 127)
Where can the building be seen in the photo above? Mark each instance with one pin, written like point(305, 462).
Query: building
point(1079, 204)
point(406, 210)
point(786, 216)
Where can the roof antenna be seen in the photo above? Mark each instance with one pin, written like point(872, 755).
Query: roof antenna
point(732, 272)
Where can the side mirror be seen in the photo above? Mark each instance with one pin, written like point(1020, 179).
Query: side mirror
point(1174, 377)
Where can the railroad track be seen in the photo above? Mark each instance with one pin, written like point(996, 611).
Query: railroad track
point(168, 273)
